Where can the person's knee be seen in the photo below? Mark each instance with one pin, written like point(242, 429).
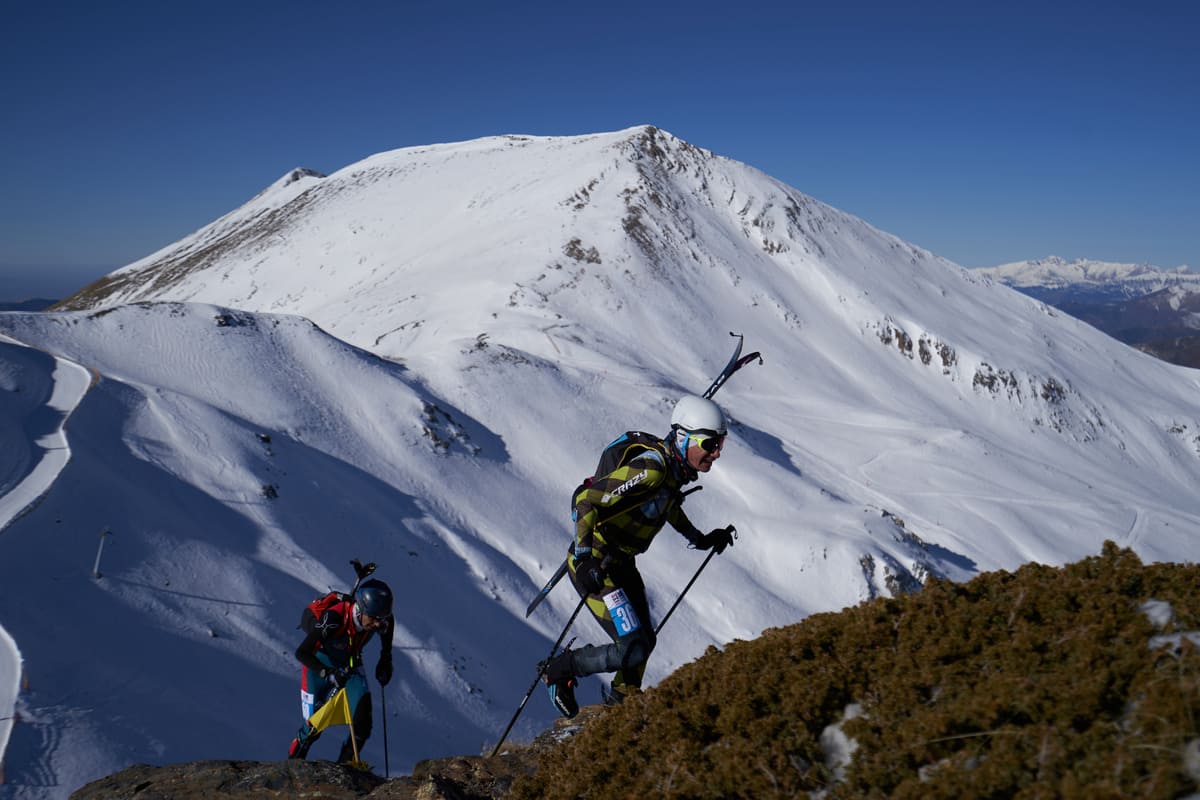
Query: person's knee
point(635, 649)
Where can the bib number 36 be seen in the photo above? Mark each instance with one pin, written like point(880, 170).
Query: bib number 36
point(621, 610)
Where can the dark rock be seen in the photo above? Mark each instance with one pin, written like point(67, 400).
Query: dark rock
point(457, 778)
point(483, 777)
point(218, 780)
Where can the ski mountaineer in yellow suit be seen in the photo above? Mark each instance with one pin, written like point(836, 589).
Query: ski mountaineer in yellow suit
point(617, 515)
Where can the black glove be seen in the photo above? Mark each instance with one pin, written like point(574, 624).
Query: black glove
point(337, 677)
point(589, 572)
point(383, 671)
point(717, 539)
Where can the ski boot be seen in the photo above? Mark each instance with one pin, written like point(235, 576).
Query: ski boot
point(558, 673)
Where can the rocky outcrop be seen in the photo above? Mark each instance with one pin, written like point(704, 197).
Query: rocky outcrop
point(458, 778)
point(199, 780)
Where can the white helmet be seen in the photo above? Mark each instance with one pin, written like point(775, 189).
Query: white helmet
point(698, 414)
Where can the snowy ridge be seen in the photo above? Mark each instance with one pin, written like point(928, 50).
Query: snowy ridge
point(1056, 273)
point(176, 259)
point(491, 314)
point(37, 442)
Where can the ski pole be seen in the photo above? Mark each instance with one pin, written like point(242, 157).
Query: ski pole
point(538, 677)
point(671, 610)
point(383, 703)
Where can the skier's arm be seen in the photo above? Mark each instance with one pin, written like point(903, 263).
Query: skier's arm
point(385, 638)
point(306, 652)
point(383, 670)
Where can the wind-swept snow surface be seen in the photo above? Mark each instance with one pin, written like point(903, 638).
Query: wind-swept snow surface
point(503, 309)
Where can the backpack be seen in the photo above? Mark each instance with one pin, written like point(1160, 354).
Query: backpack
point(618, 452)
point(317, 608)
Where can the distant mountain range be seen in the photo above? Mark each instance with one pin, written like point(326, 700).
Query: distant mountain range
point(1155, 310)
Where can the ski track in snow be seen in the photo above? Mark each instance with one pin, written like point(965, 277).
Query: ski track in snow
point(54, 386)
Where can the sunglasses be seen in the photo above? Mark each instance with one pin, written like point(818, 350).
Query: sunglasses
point(708, 441)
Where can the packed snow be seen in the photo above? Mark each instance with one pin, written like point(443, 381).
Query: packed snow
point(415, 360)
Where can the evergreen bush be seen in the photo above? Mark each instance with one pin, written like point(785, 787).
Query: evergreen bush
point(1041, 683)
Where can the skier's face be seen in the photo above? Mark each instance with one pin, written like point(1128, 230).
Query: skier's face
point(703, 451)
point(370, 623)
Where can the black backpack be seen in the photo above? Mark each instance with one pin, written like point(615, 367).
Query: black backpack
point(619, 452)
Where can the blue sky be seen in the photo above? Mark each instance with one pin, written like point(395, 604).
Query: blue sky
point(986, 132)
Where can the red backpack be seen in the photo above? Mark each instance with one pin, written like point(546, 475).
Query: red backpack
point(317, 608)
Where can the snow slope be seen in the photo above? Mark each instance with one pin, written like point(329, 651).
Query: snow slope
point(502, 309)
point(184, 646)
point(37, 393)
point(40, 391)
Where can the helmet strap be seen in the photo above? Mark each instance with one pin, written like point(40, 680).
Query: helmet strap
point(679, 436)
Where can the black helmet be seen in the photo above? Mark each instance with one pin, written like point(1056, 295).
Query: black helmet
point(374, 598)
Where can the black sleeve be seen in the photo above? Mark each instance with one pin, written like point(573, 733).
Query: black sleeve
point(306, 652)
point(328, 625)
point(385, 640)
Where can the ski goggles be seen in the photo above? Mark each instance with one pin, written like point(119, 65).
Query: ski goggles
point(708, 441)
point(366, 622)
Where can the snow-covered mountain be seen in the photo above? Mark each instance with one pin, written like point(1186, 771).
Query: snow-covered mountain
point(1055, 280)
point(415, 360)
point(1153, 309)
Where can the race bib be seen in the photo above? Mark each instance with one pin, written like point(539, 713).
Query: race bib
point(621, 610)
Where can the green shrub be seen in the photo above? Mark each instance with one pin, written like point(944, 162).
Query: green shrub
point(1035, 684)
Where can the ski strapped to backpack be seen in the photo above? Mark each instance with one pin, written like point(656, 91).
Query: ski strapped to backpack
point(614, 454)
point(361, 571)
point(736, 362)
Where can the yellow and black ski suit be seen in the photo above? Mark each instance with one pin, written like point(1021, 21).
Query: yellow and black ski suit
point(617, 515)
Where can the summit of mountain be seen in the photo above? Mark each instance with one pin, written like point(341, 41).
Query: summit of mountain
point(455, 236)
